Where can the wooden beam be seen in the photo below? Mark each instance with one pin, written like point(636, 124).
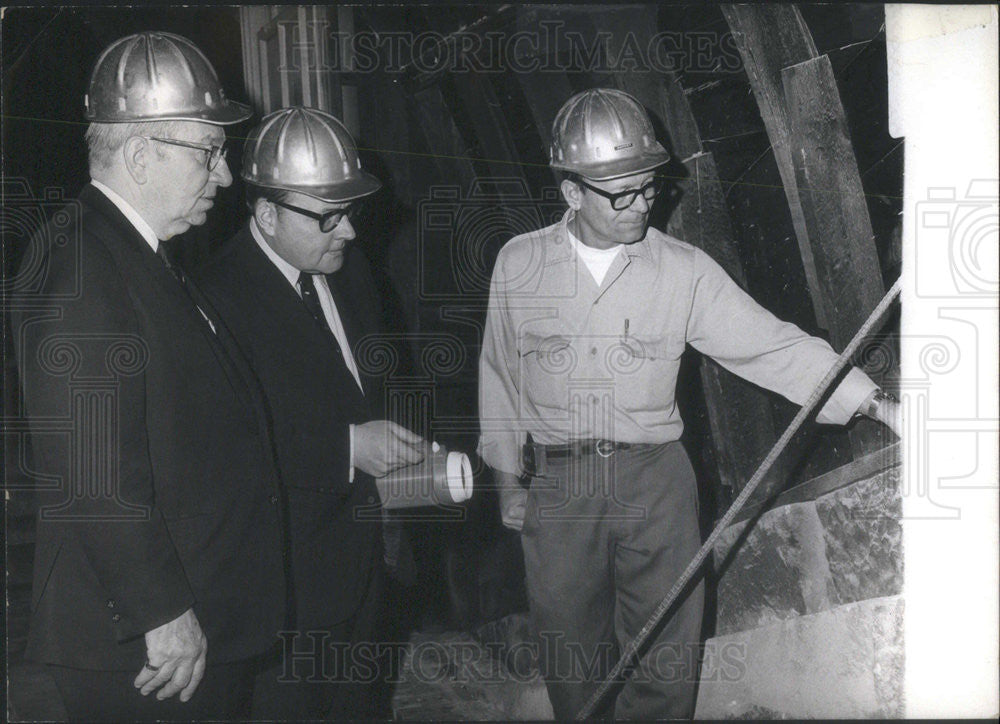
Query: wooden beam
point(489, 124)
point(441, 138)
point(834, 210)
point(770, 37)
point(833, 201)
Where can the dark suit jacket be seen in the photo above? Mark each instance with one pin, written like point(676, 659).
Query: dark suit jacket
point(157, 484)
point(334, 524)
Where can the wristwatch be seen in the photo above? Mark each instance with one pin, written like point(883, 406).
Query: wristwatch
point(875, 400)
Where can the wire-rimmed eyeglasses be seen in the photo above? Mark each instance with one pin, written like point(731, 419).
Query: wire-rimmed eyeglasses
point(214, 154)
point(621, 200)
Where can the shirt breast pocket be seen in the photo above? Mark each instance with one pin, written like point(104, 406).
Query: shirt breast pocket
point(636, 350)
point(644, 370)
point(547, 363)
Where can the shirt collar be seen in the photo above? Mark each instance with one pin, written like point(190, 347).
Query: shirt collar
point(287, 270)
point(580, 248)
point(564, 246)
point(144, 229)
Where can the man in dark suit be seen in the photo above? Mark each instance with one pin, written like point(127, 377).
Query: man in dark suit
point(159, 563)
point(299, 300)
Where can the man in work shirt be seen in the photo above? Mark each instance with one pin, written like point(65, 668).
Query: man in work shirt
point(587, 322)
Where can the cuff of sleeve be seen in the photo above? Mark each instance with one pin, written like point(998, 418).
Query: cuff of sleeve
point(845, 401)
point(350, 473)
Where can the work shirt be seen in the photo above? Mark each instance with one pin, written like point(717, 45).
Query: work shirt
point(564, 358)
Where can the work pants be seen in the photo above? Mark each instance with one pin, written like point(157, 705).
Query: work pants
point(604, 540)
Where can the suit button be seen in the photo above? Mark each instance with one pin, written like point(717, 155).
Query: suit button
point(111, 603)
point(273, 500)
point(116, 618)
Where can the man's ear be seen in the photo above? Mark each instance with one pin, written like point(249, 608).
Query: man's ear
point(573, 194)
point(265, 214)
point(136, 153)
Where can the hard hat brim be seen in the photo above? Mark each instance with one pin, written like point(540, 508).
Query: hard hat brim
point(610, 170)
point(224, 115)
point(363, 184)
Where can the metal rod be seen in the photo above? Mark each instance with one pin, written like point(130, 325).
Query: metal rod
point(640, 638)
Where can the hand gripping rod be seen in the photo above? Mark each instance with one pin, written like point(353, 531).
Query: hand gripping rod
point(640, 638)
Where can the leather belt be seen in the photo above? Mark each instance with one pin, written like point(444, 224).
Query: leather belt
point(534, 456)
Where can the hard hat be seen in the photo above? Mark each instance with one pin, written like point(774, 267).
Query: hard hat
point(157, 77)
point(604, 134)
point(308, 151)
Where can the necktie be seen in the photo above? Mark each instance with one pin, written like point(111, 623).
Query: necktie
point(161, 251)
point(311, 300)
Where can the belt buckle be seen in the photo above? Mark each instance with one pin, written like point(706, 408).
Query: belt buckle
point(601, 445)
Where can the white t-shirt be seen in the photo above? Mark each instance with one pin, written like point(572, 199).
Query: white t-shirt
point(598, 261)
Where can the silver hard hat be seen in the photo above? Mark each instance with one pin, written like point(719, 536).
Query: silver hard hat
point(157, 77)
point(307, 151)
point(603, 134)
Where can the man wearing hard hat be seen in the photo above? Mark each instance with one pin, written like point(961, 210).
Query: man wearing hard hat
point(299, 297)
point(586, 325)
point(158, 571)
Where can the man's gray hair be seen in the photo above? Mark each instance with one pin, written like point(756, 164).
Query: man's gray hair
point(104, 140)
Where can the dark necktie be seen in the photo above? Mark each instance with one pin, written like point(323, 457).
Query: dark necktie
point(161, 251)
point(311, 300)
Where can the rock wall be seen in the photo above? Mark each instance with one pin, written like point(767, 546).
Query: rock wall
point(810, 609)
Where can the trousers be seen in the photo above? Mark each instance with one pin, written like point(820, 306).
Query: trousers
point(333, 673)
point(604, 539)
point(91, 696)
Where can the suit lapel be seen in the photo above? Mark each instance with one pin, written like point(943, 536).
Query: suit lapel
point(136, 252)
point(139, 258)
point(285, 307)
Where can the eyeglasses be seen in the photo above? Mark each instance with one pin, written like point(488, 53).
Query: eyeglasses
point(328, 220)
point(623, 199)
point(214, 153)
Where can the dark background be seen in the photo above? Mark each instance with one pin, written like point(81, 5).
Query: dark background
point(421, 133)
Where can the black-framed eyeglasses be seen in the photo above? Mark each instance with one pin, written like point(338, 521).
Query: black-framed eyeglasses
point(621, 200)
point(328, 220)
point(214, 154)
